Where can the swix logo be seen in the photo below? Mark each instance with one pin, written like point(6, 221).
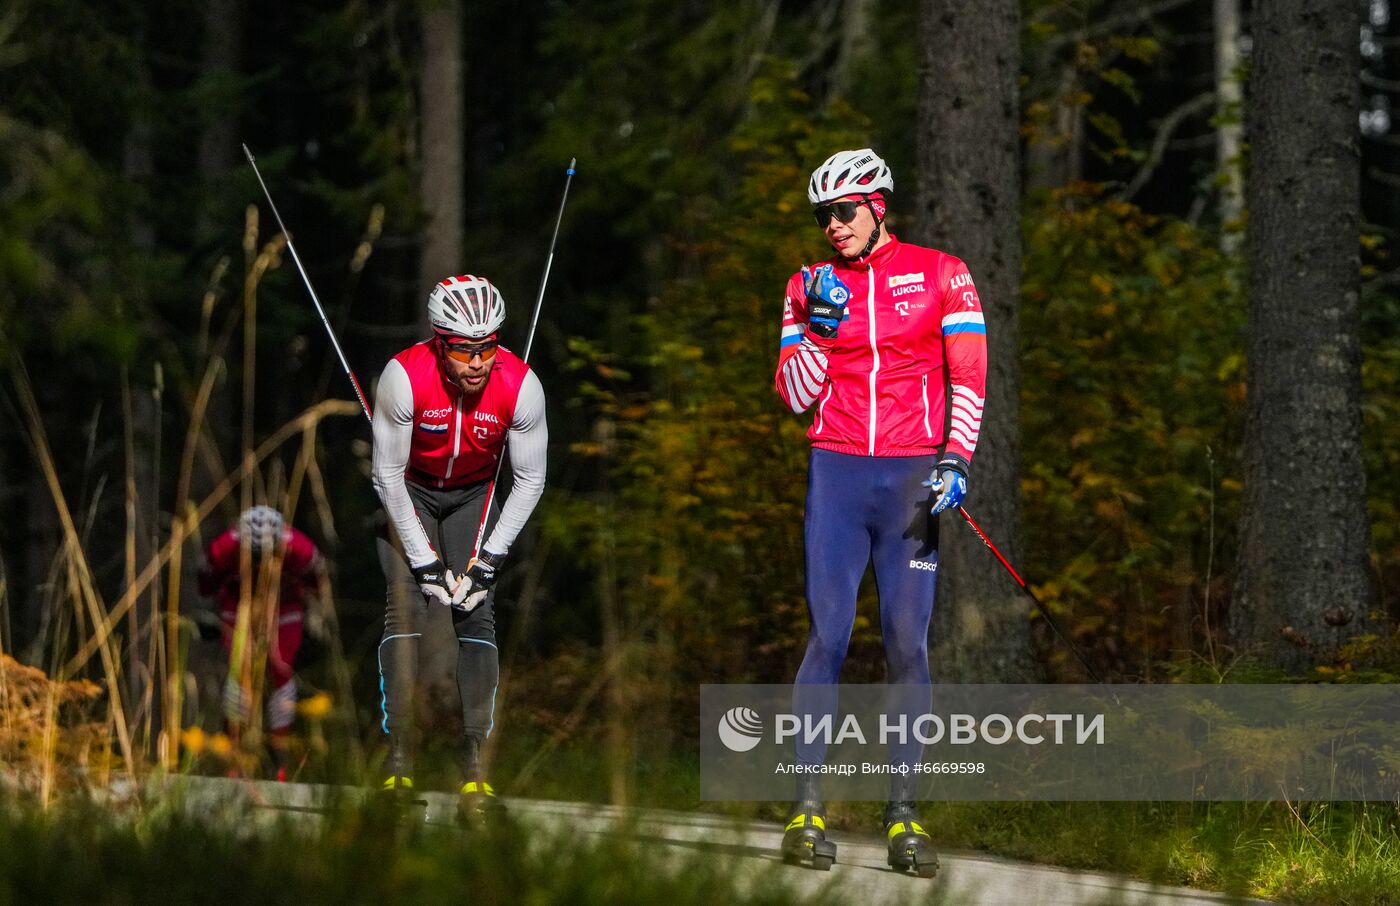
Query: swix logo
point(921, 564)
point(907, 290)
point(437, 413)
point(487, 417)
point(960, 280)
point(901, 279)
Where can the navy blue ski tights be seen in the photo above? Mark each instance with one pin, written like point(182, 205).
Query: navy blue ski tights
point(859, 509)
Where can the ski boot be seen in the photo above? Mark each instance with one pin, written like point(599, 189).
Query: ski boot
point(278, 757)
point(397, 789)
point(911, 848)
point(804, 838)
point(477, 806)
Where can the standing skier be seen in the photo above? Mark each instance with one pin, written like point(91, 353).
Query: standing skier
point(876, 337)
point(445, 411)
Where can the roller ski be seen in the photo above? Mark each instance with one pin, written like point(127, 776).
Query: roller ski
point(804, 838)
point(478, 806)
point(910, 847)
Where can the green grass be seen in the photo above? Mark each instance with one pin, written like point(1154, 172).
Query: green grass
point(79, 853)
point(1344, 852)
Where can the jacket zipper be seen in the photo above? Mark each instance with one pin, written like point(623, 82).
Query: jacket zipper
point(927, 429)
point(874, 351)
point(456, 443)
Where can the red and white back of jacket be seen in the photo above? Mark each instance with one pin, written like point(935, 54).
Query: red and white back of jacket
point(913, 331)
point(457, 440)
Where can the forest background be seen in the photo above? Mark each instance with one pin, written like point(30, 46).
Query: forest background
point(156, 337)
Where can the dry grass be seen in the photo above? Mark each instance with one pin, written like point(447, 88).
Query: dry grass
point(123, 655)
point(51, 736)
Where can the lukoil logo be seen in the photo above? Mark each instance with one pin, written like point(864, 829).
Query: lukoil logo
point(740, 729)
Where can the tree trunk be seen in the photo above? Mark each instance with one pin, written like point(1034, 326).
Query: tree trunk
point(1228, 132)
point(1304, 531)
point(1054, 161)
point(855, 36)
point(440, 90)
point(218, 140)
point(968, 204)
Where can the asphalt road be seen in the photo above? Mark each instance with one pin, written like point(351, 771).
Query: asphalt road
point(860, 870)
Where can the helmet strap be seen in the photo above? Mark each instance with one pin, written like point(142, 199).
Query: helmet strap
point(879, 216)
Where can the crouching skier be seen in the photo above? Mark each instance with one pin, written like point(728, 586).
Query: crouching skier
point(446, 410)
point(286, 576)
point(876, 338)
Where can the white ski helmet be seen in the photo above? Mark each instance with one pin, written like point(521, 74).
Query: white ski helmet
point(466, 306)
point(261, 527)
point(859, 172)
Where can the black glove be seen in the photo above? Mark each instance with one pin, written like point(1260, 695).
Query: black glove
point(434, 582)
point(479, 579)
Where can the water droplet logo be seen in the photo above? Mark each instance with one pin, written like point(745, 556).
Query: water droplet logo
point(740, 729)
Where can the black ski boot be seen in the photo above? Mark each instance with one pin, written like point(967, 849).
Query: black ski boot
point(397, 787)
point(911, 848)
point(398, 765)
point(804, 838)
point(478, 805)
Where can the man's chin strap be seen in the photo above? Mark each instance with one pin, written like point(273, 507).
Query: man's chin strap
point(874, 238)
point(876, 204)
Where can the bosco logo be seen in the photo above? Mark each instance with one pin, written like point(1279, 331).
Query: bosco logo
point(740, 729)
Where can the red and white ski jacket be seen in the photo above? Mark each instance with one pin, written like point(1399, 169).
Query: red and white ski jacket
point(428, 432)
point(913, 328)
point(221, 574)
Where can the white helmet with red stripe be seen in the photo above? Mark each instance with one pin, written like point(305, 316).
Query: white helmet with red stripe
point(859, 172)
point(466, 306)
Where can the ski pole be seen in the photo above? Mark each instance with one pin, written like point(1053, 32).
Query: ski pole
point(1044, 611)
point(364, 402)
point(529, 342)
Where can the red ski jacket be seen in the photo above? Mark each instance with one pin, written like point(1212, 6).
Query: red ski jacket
point(457, 439)
point(913, 335)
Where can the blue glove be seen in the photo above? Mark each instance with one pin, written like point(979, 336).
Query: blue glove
point(949, 481)
point(826, 301)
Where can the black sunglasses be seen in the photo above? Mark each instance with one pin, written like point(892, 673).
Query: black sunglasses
point(844, 211)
